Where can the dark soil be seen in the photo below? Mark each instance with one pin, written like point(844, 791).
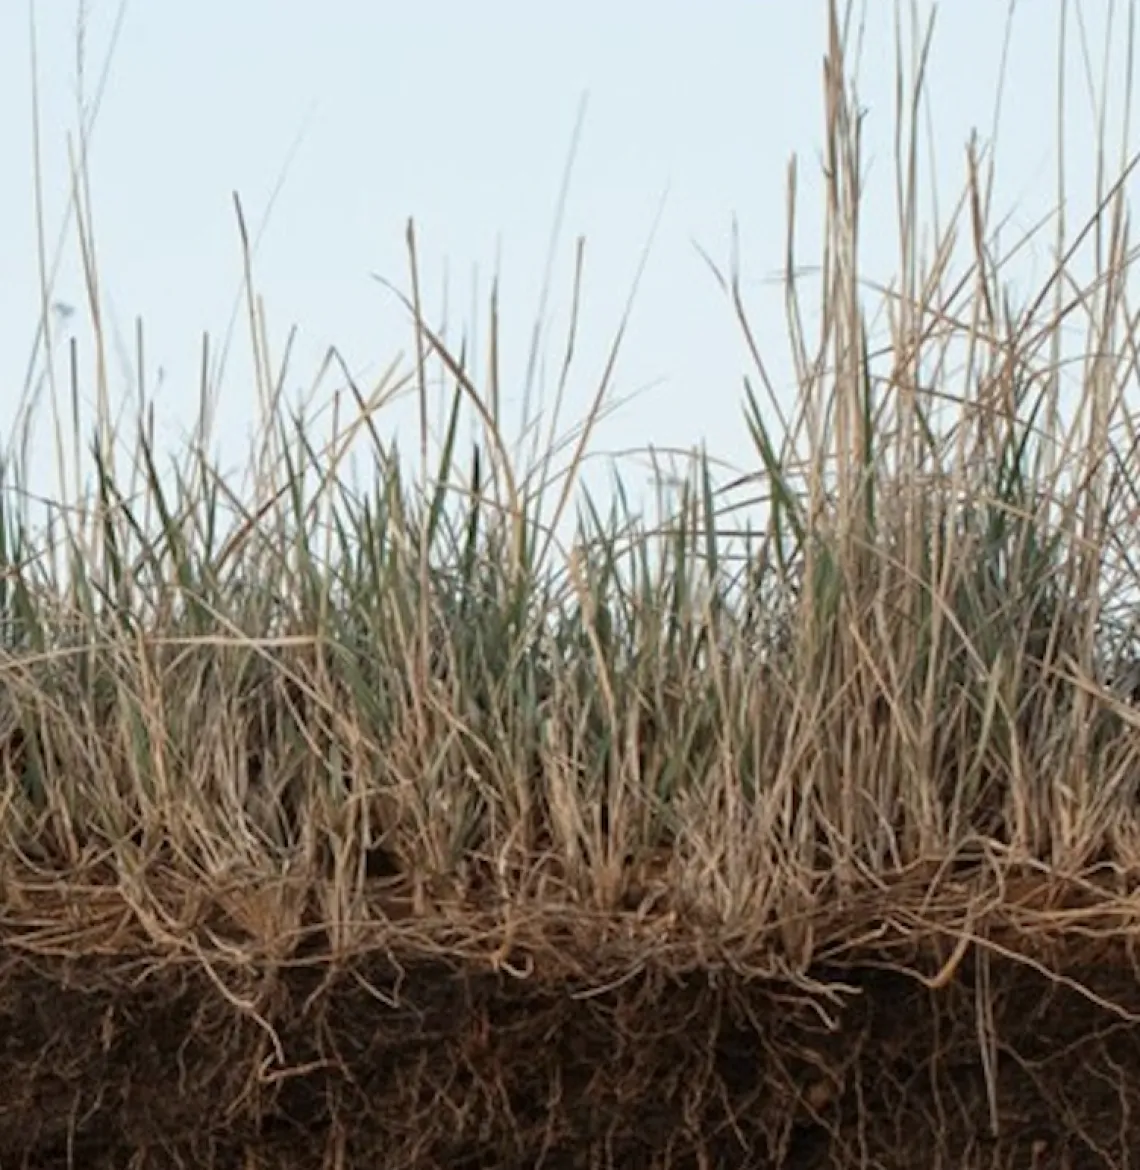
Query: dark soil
point(110, 1065)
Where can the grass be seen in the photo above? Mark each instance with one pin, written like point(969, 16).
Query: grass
point(328, 719)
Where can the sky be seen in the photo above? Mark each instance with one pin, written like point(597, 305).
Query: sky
point(335, 123)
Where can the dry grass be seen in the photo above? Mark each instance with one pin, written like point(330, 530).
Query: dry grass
point(287, 756)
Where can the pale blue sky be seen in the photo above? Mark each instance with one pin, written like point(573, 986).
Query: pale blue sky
point(461, 115)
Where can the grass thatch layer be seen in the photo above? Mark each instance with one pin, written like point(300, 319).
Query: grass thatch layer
point(369, 823)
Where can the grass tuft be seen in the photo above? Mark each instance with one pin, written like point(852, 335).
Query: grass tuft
point(910, 658)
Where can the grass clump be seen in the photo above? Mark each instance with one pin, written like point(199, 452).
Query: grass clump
point(393, 832)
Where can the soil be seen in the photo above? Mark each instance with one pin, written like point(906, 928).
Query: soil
point(379, 1064)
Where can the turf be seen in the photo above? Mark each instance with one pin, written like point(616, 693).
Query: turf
point(383, 824)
